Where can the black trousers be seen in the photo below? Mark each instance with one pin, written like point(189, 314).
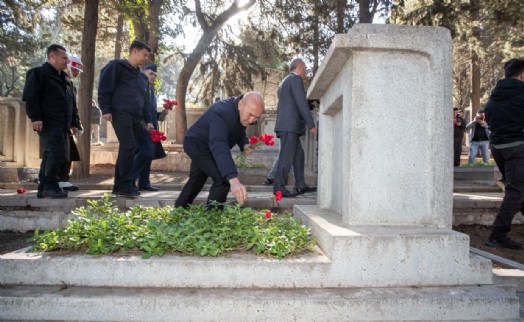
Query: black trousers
point(291, 155)
point(510, 162)
point(457, 151)
point(202, 167)
point(127, 128)
point(142, 170)
point(53, 140)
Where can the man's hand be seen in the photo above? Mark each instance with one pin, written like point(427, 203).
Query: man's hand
point(38, 126)
point(248, 149)
point(74, 130)
point(149, 126)
point(313, 131)
point(238, 190)
point(108, 117)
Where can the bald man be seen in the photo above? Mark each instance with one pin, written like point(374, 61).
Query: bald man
point(208, 143)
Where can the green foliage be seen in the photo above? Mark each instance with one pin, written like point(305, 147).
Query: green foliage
point(100, 228)
point(480, 164)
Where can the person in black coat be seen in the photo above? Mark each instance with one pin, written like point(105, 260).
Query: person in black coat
point(51, 106)
point(123, 98)
point(147, 149)
point(208, 143)
point(505, 117)
point(459, 127)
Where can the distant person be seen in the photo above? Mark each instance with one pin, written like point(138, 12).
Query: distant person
point(95, 118)
point(208, 143)
point(459, 126)
point(505, 116)
point(147, 149)
point(479, 138)
point(293, 116)
point(123, 99)
point(50, 104)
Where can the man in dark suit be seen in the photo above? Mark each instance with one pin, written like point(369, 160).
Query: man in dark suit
point(208, 143)
point(293, 115)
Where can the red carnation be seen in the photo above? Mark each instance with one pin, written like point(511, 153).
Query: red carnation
point(253, 140)
point(278, 196)
point(268, 214)
point(168, 104)
point(20, 190)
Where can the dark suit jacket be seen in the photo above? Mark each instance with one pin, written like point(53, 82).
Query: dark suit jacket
point(215, 133)
point(293, 113)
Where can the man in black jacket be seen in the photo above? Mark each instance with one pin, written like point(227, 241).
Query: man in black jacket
point(208, 143)
point(505, 117)
point(123, 99)
point(51, 106)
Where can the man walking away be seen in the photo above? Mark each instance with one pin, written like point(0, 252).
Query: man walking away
point(505, 116)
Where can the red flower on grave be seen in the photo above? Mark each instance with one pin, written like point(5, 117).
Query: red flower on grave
point(268, 214)
point(21, 190)
point(169, 104)
point(278, 196)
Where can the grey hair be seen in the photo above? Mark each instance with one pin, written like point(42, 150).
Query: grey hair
point(295, 63)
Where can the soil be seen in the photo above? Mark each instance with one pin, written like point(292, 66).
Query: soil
point(478, 235)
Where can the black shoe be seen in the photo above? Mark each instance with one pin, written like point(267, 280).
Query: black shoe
point(149, 188)
point(268, 182)
point(40, 194)
point(70, 188)
point(504, 242)
point(287, 194)
point(129, 192)
point(115, 190)
point(57, 193)
point(306, 189)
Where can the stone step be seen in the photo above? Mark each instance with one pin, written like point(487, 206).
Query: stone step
point(22, 212)
point(489, 303)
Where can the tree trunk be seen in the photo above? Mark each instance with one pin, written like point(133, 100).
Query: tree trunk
point(316, 46)
point(210, 29)
point(119, 34)
point(341, 10)
point(85, 93)
point(475, 59)
point(154, 8)
point(364, 14)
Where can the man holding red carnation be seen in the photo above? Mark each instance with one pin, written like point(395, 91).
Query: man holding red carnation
point(208, 143)
point(149, 142)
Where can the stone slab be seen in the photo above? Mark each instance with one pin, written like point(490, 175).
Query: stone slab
point(395, 255)
point(488, 303)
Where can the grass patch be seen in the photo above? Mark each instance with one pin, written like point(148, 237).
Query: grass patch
point(100, 228)
point(480, 164)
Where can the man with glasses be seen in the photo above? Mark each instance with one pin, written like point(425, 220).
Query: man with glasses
point(208, 143)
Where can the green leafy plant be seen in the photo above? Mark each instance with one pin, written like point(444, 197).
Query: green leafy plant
point(100, 228)
point(480, 164)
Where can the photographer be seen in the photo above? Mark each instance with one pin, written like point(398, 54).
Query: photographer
point(459, 126)
point(479, 138)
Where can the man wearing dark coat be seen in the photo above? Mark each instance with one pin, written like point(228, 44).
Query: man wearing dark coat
point(208, 143)
point(51, 106)
point(123, 98)
point(293, 115)
point(505, 117)
point(147, 149)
